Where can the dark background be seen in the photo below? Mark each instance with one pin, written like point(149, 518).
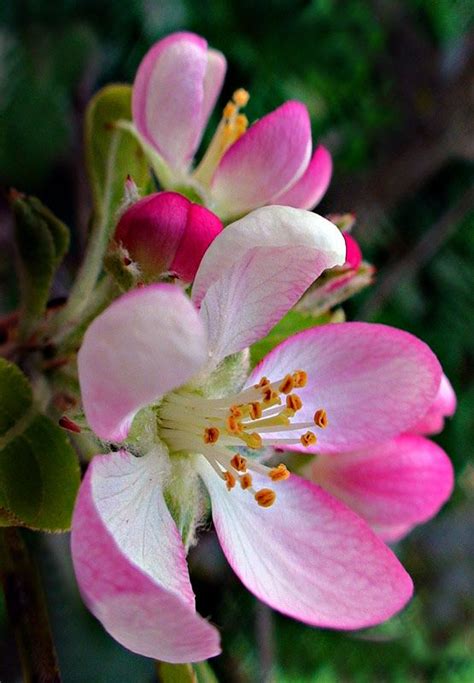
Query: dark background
point(390, 88)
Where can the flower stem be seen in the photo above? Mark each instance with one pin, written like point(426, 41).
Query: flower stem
point(26, 608)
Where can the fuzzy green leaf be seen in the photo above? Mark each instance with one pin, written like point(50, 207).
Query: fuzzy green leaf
point(39, 473)
point(111, 152)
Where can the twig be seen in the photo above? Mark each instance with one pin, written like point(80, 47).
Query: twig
point(265, 641)
point(26, 608)
point(420, 254)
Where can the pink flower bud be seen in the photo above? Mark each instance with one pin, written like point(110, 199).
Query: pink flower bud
point(165, 232)
point(353, 252)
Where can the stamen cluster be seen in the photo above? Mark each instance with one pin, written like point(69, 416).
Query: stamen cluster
point(252, 419)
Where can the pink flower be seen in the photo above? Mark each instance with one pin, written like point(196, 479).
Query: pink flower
point(175, 90)
point(168, 377)
point(165, 232)
point(396, 484)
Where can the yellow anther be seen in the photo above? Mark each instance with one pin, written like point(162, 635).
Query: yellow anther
point(270, 397)
point(279, 473)
point(229, 480)
point(300, 378)
point(287, 385)
point(321, 418)
point(263, 383)
point(308, 439)
point(245, 481)
point(239, 463)
point(229, 110)
point(265, 497)
point(236, 411)
point(211, 435)
point(233, 425)
point(241, 124)
point(241, 97)
point(252, 440)
point(255, 410)
point(293, 402)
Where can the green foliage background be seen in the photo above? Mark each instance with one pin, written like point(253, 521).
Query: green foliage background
point(372, 74)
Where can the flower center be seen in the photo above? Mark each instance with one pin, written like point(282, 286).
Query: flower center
point(254, 418)
point(231, 127)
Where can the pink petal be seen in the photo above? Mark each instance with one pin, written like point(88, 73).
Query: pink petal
point(374, 381)
point(307, 556)
point(394, 485)
point(202, 227)
point(353, 252)
point(392, 533)
point(130, 562)
point(146, 343)
point(271, 227)
point(213, 80)
point(252, 296)
point(168, 96)
point(444, 405)
point(267, 159)
point(308, 191)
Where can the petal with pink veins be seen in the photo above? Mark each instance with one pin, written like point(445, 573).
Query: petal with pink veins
point(168, 96)
point(393, 485)
point(374, 381)
point(144, 344)
point(443, 406)
point(130, 563)
point(271, 155)
point(272, 227)
point(308, 191)
point(307, 555)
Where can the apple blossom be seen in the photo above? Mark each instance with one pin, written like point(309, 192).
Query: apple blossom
point(166, 376)
point(175, 90)
point(165, 232)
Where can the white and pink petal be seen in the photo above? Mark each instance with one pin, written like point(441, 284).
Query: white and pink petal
point(393, 485)
point(443, 406)
point(271, 156)
point(168, 96)
point(308, 190)
point(144, 344)
point(272, 227)
point(307, 556)
point(130, 563)
point(374, 381)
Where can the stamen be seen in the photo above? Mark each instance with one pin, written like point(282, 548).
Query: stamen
point(252, 440)
point(263, 383)
point(233, 425)
point(239, 463)
point(255, 410)
point(229, 110)
point(287, 385)
point(265, 497)
point(241, 97)
point(321, 418)
point(211, 435)
point(300, 379)
point(245, 481)
point(308, 439)
point(293, 402)
point(279, 473)
point(229, 480)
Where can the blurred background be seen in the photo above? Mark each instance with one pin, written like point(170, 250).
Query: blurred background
point(390, 88)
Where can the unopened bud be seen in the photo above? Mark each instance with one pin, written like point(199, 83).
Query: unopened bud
point(166, 232)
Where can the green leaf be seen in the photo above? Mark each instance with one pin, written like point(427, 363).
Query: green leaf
point(112, 153)
point(39, 473)
point(16, 397)
point(293, 322)
point(41, 241)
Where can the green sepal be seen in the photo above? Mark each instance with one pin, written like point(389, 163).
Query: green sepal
point(41, 241)
point(112, 153)
point(125, 277)
point(293, 322)
point(200, 672)
point(39, 473)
